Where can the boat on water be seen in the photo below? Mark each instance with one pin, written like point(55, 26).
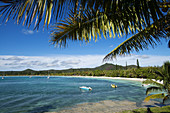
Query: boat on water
point(2, 77)
point(85, 88)
point(113, 86)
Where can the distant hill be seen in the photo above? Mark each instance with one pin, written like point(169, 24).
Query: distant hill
point(106, 66)
point(28, 70)
point(109, 66)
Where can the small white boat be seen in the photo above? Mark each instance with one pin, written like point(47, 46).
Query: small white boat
point(85, 88)
point(48, 77)
point(2, 77)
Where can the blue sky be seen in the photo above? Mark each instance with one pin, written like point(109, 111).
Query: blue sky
point(22, 48)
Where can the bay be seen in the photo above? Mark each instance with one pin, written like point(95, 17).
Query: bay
point(40, 94)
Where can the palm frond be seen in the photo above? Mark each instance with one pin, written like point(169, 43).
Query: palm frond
point(166, 67)
point(149, 81)
point(161, 95)
point(153, 89)
point(159, 73)
point(29, 11)
point(149, 36)
point(166, 98)
point(94, 22)
point(87, 25)
point(83, 27)
point(130, 14)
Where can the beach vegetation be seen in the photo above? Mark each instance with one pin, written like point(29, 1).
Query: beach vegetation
point(108, 70)
point(161, 75)
point(137, 61)
point(163, 109)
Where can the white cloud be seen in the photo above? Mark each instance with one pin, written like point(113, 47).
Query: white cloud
point(73, 61)
point(144, 60)
point(27, 31)
point(70, 63)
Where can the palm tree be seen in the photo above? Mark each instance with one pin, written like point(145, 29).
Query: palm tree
point(164, 75)
point(86, 20)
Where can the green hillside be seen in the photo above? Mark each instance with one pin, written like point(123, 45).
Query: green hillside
point(110, 66)
point(107, 66)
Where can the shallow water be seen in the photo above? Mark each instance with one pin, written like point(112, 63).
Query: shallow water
point(39, 94)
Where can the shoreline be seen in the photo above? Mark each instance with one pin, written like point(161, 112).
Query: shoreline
point(78, 76)
point(102, 77)
point(119, 78)
point(114, 78)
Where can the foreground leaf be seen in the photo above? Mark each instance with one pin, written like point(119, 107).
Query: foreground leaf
point(162, 95)
point(153, 89)
point(150, 36)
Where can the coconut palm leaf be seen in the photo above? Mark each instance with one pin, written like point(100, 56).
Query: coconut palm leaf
point(165, 76)
point(161, 95)
point(166, 98)
point(159, 73)
point(93, 18)
point(149, 81)
point(83, 27)
point(129, 13)
point(149, 36)
point(88, 25)
point(153, 89)
point(92, 23)
point(29, 11)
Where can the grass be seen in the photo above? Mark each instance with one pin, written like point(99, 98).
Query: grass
point(164, 109)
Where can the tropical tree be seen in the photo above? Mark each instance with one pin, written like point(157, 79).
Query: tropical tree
point(164, 75)
point(86, 20)
point(137, 62)
point(126, 65)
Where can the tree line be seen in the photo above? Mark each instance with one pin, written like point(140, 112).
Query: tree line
point(108, 70)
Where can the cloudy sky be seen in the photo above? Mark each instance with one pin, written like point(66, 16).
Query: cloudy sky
point(22, 48)
point(10, 62)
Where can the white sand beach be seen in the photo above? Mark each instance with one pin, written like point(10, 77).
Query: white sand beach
point(118, 78)
point(104, 77)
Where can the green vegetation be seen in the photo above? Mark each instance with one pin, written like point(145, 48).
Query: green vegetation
point(163, 74)
point(164, 109)
point(109, 70)
point(137, 61)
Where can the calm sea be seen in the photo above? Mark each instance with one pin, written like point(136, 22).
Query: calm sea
point(39, 94)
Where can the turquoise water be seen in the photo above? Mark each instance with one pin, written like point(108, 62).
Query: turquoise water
point(39, 94)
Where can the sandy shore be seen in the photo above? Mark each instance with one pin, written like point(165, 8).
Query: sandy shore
point(117, 78)
point(104, 77)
